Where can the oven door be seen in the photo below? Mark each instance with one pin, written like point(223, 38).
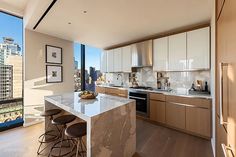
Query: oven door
point(142, 106)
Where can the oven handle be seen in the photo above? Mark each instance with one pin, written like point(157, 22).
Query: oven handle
point(134, 97)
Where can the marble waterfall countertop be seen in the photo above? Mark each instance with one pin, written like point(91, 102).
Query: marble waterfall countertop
point(111, 122)
point(87, 108)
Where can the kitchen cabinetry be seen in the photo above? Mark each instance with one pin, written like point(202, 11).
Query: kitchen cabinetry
point(175, 115)
point(117, 60)
point(110, 61)
point(198, 120)
point(177, 52)
point(160, 54)
point(198, 49)
point(112, 91)
point(157, 108)
point(103, 62)
point(126, 59)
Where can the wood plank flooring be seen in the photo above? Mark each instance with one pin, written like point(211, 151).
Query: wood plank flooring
point(152, 141)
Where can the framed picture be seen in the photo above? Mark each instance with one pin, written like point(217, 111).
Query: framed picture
point(54, 74)
point(53, 54)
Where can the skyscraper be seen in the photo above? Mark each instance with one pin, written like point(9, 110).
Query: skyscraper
point(6, 83)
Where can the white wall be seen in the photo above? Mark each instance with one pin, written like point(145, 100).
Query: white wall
point(213, 58)
point(35, 86)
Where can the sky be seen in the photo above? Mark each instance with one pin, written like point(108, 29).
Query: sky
point(92, 56)
point(11, 26)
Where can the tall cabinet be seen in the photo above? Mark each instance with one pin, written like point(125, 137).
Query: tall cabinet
point(160, 54)
point(225, 79)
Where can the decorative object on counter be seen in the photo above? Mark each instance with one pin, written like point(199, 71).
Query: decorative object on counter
point(206, 87)
point(198, 89)
point(133, 80)
point(54, 74)
point(53, 54)
point(162, 81)
point(88, 95)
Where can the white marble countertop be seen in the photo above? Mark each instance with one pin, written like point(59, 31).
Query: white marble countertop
point(87, 108)
point(174, 93)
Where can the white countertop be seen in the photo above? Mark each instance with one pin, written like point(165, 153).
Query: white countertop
point(87, 108)
point(173, 93)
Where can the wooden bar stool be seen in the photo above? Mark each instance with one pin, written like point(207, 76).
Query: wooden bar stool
point(61, 123)
point(77, 131)
point(48, 136)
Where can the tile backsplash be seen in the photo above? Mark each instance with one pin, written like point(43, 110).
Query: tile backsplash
point(180, 81)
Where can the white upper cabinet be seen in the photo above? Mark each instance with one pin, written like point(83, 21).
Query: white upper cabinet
point(198, 49)
point(103, 62)
point(160, 54)
point(177, 52)
point(117, 60)
point(126, 59)
point(110, 61)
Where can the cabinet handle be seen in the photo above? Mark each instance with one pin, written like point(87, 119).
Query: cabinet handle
point(221, 66)
point(225, 148)
point(187, 105)
point(134, 97)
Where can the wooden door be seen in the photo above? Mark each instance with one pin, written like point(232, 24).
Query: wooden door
point(157, 111)
point(175, 115)
point(198, 120)
point(226, 53)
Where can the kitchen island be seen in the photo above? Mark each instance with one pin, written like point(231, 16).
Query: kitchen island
point(111, 122)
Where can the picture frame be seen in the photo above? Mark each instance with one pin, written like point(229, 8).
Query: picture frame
point(54, 74)
point(53, 54)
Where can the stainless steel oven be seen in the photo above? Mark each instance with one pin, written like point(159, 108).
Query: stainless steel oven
point(142, 102)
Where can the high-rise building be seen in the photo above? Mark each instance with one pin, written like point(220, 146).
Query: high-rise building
point(16, 63)
point(6, 84)
point(8, 48)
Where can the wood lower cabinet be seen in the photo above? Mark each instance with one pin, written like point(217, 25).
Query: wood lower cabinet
point(175, 115)
point(158, 111)
point(112, 91)
point(198, 120)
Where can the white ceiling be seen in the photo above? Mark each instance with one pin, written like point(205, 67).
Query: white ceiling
point(14, 5)
point(112, 22)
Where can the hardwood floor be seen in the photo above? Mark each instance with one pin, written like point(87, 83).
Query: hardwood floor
point(152, 141)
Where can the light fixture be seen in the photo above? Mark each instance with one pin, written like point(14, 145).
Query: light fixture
point(69, 23)
point(85, 11)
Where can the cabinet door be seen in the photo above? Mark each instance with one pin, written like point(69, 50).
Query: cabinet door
point(126, 59)
point(198, 49)
point(157, 111)
point(110, 61)
point(117, 60)
point(175, 115)
point(160, 54)
point(104, 62)
point(177, 52)
point(198, 120)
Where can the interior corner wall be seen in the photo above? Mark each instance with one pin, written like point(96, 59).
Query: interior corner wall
point(35, 86)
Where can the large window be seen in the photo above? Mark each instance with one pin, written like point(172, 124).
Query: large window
point(87, 67)
point(11, 73)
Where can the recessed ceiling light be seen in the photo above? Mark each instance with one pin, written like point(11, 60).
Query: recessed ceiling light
point(69, 23)
point(85, 11)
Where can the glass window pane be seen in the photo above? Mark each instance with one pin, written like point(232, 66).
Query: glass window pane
point(11, 71)
point(92, 67)
point(77, 67)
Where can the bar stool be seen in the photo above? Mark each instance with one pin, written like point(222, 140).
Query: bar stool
point(48, 136)
point(77, 131)
point(61, 121)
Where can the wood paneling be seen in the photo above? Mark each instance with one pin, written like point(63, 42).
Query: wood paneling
point(175, 115)
point(158, 111)
point(100, 89)
point(198, 120)
point(157, 96)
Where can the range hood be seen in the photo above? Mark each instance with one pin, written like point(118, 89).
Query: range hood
point(142, 54)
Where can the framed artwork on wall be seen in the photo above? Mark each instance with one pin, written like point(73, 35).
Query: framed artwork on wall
point(53, 54)
point(54, 74)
